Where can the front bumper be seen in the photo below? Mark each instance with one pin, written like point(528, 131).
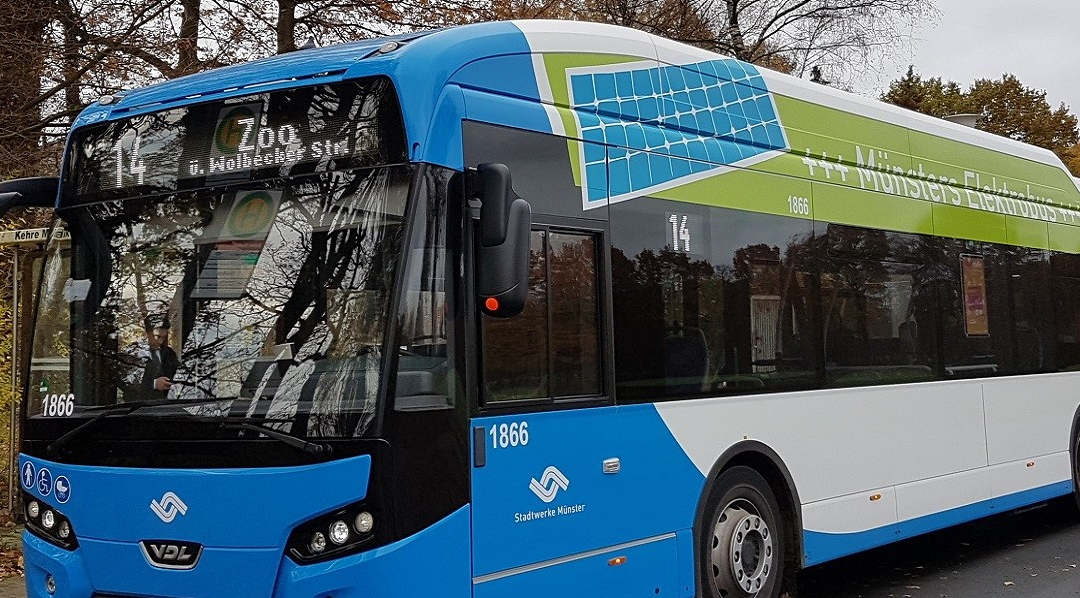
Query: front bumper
point(434, 562)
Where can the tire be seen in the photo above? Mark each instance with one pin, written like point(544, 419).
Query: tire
point(1076, 470)
point(742, 546)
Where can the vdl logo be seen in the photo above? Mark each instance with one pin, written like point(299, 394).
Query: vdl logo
point(168, 508)
point(549, 485)
point(171, 554)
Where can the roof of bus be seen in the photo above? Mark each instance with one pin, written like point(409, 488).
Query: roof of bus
point(430, 59)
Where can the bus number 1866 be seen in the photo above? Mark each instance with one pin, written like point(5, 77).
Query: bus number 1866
point(512, 434)
point(799, 205)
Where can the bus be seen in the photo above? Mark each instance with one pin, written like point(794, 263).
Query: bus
point(532, 308)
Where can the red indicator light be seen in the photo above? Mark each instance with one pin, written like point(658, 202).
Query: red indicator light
point(491, 304)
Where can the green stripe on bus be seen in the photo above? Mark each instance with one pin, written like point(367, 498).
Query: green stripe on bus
point(1064, 238)
point(1024, 232)
point(844, 205)
point(965, 223)
point(747, 190)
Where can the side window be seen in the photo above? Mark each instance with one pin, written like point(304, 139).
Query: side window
point(552, 349)
point(878, 328)
point(977, 325)
point(426, 343)
point(879, 307)
point(710, 301)
point(1065, 283)
point(1031, 309)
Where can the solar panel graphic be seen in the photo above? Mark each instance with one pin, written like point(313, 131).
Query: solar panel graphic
point(665, 126)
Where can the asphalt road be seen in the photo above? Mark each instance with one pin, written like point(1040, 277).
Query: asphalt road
point(1031, 554)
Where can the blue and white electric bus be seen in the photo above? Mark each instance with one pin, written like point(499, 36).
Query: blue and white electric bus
point(532, 309)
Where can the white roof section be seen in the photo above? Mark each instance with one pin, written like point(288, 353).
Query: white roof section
point(548, 36)
point(848, 102)
point(597, 38)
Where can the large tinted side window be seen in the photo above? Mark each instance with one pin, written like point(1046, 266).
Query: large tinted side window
point(709, 301)
point(1065, 289)
point(879, 309)
point(977, 327)
point(1032, 311)
point(552, 349)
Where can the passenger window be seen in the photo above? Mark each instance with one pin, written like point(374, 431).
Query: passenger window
point(879, 324)
point(552, 349)
point(978, 329)
point(710, 301)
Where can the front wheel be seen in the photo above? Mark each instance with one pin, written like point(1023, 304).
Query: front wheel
point(743, 541)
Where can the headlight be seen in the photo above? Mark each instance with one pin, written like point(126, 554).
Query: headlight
point(364, 522)
point(318, 543)
point(339, 532)
point(48, 523)
point(332, 535)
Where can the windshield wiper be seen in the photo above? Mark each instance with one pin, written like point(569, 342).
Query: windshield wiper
point(312, 448)
point(120, 409)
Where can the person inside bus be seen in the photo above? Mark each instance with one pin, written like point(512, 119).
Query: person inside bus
point(162, 362)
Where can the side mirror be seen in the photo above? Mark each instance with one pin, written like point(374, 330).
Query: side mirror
point(38, 192)
point(502, 276)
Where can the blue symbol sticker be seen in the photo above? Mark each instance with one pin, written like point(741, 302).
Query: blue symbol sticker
point(44, 482)
point(63, 489)
point(29, 472)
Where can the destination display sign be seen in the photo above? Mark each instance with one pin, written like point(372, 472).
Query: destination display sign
point(268, 135)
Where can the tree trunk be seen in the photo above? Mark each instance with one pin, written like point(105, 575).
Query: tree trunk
point(187, 44)
point(72, 43)
point(286, 26)
point(22, 51)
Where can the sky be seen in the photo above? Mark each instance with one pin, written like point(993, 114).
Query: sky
point(1036, 40)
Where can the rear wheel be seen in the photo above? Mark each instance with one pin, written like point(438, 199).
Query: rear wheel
point(742, 552)
point(1076, 470)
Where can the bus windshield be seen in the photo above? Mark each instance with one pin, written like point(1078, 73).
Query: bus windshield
point(272, 297)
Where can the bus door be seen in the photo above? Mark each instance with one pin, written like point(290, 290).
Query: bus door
point(550, 507)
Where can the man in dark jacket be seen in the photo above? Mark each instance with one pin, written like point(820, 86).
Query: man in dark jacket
point(162, 363)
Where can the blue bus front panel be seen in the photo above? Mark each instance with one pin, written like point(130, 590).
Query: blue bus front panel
point(242, 520)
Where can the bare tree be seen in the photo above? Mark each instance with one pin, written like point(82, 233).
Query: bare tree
point(837, 36)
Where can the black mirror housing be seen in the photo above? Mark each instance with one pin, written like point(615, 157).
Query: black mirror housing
point(36, 192)
point(502, 276)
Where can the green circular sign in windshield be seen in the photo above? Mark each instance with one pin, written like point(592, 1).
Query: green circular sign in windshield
point(231, 131)
point(251, 215)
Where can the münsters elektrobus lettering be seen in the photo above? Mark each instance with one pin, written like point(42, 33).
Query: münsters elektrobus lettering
point(876, 175)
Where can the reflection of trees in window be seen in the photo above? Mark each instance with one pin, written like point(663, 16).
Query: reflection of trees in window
point(1065, 288)
point(687, 326)
point(316, 281)
point(552, 349)
point(515, 350)
point(575, 343)
point(1029, 285)
point(50, 353)
point(879, 308)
